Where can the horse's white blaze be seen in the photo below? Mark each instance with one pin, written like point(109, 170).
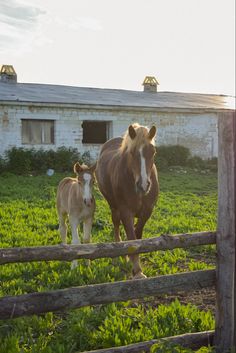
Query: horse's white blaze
point(87, 195)
point(143, 170)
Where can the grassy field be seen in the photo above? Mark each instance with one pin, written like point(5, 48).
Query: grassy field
point(187, 203)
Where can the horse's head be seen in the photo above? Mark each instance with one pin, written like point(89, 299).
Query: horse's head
point(85, 177)
point(141, 149)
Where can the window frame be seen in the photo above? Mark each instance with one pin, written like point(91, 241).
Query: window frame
point(43, 131)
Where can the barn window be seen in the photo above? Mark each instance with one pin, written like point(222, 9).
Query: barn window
point(37, 132)
point(95, 131)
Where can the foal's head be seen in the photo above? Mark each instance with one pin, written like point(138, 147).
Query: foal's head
point(139, 144)
point(85, 177)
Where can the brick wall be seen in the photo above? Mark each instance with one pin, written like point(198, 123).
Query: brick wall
point(198, 132)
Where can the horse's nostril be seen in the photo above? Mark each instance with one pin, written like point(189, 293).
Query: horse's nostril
point(143, 188)
point(88, 202)
point(139, 187)
point(139, 184)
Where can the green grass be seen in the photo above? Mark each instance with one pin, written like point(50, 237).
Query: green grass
point(28, 217)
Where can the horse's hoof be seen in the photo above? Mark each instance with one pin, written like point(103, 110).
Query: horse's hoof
point(139, 275)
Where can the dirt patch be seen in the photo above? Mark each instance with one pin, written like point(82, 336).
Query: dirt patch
point(204, 299)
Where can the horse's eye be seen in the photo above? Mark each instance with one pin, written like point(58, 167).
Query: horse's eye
point(153, 150)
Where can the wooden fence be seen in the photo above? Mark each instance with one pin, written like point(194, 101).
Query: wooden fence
point(224, 276)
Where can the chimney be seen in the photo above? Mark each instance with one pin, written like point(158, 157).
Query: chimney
point(150, 84)
point(8, 74)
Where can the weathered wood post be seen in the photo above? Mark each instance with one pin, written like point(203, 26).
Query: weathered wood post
point(225, 241)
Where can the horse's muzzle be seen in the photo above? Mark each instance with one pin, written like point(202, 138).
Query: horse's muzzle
point(88, 202)
point(142, 188)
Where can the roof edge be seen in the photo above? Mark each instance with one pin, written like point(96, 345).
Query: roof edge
point(115, 107)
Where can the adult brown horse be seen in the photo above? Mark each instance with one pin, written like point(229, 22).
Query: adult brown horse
point(127, 178)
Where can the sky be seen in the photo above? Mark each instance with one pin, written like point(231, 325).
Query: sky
point(188, 45)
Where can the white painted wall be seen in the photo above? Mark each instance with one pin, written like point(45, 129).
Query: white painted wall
point(198, 132)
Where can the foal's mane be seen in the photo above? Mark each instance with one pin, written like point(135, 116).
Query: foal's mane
point(141, 138)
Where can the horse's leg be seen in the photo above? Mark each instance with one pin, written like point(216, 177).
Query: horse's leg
point(141, 223)
point(74, 223)
point(128, 222)
point(87, 227)
point(139, 229)
point(62, 227)
point(115, 214)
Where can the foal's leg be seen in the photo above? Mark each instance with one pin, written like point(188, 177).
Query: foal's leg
point(87, 227)
point(74, 223)
point(62, 227)
point(128, 222)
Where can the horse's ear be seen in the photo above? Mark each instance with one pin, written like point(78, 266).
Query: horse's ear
point(132, 132)
point(93, 167)
point(77, 168)
point(152, 132)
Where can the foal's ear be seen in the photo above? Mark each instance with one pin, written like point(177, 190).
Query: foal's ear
point(93, 167)
point(132, 132)
point(77, 168)
point(152, 132)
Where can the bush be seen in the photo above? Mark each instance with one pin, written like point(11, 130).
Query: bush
point(63, 159)
point(196, 162)
point(172, 155)
point(18, 160)
point(25, 161)
point(176, 155)
point(199, 163)
point(212, 164)
point(2, 165)
point(86, 158)
point(161, 163)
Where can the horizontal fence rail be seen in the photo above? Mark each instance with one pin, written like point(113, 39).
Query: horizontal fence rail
point(76, 297)
point(95, 251)
point(191, 340)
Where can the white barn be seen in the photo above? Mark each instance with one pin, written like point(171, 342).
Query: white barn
point(50, 116)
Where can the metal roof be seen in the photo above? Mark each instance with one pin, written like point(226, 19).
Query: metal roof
point(44, 94)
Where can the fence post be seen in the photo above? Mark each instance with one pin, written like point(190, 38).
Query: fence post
point(225, 240)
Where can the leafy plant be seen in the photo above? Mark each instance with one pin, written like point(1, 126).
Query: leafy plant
point(140, 324)
point(173, 348)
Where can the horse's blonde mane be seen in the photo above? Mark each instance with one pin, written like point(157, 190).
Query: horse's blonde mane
point(141, 138)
